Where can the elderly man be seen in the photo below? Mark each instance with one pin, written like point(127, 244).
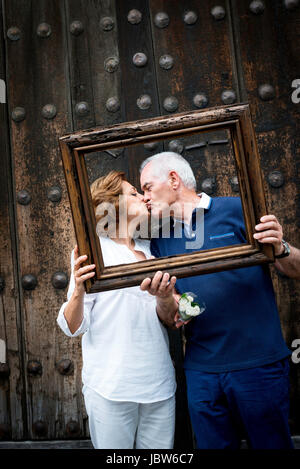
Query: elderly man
point(236, 361)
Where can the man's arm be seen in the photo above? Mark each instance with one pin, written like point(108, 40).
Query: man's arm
point(270, 231)
point(290, 266)
point(163, 288)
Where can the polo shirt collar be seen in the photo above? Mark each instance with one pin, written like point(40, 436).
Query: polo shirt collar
point(204, 202)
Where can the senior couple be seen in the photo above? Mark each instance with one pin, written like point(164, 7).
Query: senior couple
point(236, 361)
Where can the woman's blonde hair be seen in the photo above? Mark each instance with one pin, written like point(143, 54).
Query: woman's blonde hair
point(106, 190)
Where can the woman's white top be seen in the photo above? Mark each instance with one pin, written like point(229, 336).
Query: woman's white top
point(125, 348)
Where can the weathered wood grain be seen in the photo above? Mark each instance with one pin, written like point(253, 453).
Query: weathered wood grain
point(270, 53)
point(12, 392)
point(37, 76)
point(136, 81)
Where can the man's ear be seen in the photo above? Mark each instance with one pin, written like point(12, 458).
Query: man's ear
point(174, 180)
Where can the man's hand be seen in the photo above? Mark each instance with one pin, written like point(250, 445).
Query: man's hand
point(160, 286)
point(270, 231)
point(179, 322)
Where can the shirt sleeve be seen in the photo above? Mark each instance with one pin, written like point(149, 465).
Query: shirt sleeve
point(88, 303)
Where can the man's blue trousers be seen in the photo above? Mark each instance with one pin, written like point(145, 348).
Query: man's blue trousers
point(251, 404)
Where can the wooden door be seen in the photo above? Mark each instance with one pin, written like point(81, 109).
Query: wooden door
point(74, 64)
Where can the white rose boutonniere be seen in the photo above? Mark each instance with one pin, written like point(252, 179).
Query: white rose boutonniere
point(188, 308)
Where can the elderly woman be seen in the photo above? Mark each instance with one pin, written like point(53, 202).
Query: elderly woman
point(128, 376)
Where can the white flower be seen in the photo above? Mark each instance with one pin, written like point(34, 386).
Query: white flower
point(183, 302)
point(188, 310)
point(185, 308)
point(196, 311)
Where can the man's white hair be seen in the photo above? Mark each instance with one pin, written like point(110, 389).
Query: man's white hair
point(166, 161)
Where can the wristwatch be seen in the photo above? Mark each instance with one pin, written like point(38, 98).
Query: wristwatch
point(286, 251)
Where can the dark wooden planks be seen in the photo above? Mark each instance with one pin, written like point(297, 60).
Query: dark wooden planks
point(12, 409)
point(203, 65)
point(136, 81)
point(272, 57)
point(37, 77)
point(94, 61)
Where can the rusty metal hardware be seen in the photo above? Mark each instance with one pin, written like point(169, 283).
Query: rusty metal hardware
point(228, 96)
point(144, 102)
point(170, 104)
point(234, 182)
point(65, 367)
point(113, 104)
point(59, 280)
point(266, 92)
point(200, 100)
point(40, 428)
point(140, 59)
point(176, 145)
point(204, 144)
point(14, 33)
point(76, 28)
point(44, 30)
point(291, 4)
point(49, 111)
point(218, 12)
point(209, 185)
point(161, 19)
point(190, 17)
point(107, 23)
point(82, 108)
point(4, 371)
point(34, 368)
point(275, 179)
point(257, 7)
point(166, 62)
point(111, 64)
point(151, 146)
point(23, 197)
point(73, 429)
point(54, 194)
point(18, 114)
point(29, 282)
point(134, 16)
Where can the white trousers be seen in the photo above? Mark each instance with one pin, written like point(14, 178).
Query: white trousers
point(128, 425)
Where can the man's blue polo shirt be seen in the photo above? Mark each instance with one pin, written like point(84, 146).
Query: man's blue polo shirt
point(240, 327)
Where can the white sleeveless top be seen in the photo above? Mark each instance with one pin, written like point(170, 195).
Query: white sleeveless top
point(125, 348)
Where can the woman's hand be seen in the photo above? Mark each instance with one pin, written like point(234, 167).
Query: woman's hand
point(81, 274)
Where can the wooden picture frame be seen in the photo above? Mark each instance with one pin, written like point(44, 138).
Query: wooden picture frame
point(235, 118)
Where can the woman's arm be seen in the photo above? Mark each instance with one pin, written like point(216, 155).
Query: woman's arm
point(74, 309)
